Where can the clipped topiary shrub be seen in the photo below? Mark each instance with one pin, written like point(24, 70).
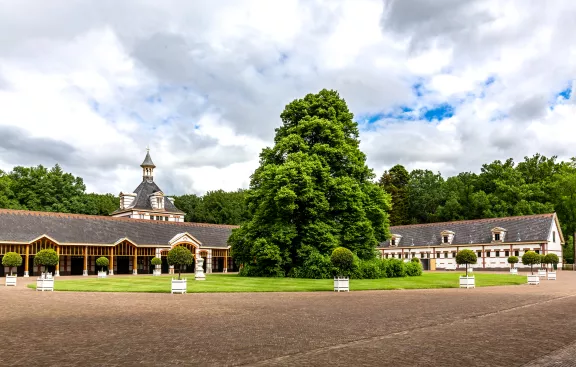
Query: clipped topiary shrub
point(343, 261)
point(531, 258)
point(466, 257)
point(102, 262)
point(156, 261)
point(512, 260)
point(47, 257)
point(12, 260)
point(551, 259)
point(180, 256)
point(415, 260)
point(413, 269)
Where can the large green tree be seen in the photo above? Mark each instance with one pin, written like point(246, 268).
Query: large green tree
point(312, 191)
point(395, 182)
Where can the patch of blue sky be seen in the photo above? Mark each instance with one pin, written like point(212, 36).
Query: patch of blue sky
point(566, 93)
point(402, 113)
point(438, 112)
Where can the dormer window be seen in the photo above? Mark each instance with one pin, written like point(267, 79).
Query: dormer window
point(447, 237)
point(498, 234)
point(395, 240)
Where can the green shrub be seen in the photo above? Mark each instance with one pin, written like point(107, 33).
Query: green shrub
point(180, 256)
point(531, 258)
point(156, 261)
point(384, 268)
point(413, 269)
point(343, 261)
point(47, 257)
point(316, 266)
point(466, 257)
point(396, 268)
point(369, 269)
point(102, 262)
point(12, 260)
point(415, 260)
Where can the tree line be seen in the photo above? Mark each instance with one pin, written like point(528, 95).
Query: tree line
point(536, 185)
point(53, 190)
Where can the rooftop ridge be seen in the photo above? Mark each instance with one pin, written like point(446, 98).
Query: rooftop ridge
point(474, 220)
point(101, 217)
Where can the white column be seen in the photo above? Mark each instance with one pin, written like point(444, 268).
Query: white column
point(209, 260)
point(171, 269)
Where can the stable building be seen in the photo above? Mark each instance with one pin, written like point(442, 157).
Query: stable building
point(492, 239)
point(147, 224)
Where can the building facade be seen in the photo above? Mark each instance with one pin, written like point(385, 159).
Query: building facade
point(148, 201)
point(147, 224)
point(493, 240)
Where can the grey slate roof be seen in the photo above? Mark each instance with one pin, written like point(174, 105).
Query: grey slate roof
point(25, 226)
point(142, 200)
point(531, 228)
point(148, 161)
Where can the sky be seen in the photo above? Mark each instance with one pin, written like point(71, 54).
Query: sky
point(445, 85)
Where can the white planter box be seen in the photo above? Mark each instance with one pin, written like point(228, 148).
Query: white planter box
point(102, 274)
point(467, 282)
point(10, 280)
point(179, 286)
point(514, 271)
point(156, 272)
point(551, 275)
point(341, 284)
point(533, 279)
point(45, 284)
point(542, 273)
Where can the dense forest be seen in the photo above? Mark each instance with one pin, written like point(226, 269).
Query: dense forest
point(538, 184)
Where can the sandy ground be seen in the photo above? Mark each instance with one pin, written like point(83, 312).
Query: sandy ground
point(497, 326)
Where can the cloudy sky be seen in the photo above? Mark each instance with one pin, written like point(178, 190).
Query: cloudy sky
point(439, 84)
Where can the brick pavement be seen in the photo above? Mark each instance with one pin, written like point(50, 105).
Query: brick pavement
point(497, 326)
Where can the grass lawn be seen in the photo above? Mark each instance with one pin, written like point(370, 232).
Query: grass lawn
point(235, 283)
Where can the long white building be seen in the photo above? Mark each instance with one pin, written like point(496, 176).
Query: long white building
point(493, 240)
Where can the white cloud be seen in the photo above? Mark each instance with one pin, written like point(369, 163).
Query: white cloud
point(90, 84)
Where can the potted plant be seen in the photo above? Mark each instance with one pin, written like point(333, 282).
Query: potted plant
point(466, 257)
point(343, 261)
point(11, 260)
point(513, 260)
point(46, 258)
point(531, 258)
point(156, 262)
point(543, 270)
point(553, 260)
point(179, 256)
point(102, 262)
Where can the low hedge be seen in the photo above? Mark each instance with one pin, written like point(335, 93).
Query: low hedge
point(319, 266)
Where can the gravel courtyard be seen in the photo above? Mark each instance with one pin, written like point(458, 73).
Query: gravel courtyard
point(498, 326)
